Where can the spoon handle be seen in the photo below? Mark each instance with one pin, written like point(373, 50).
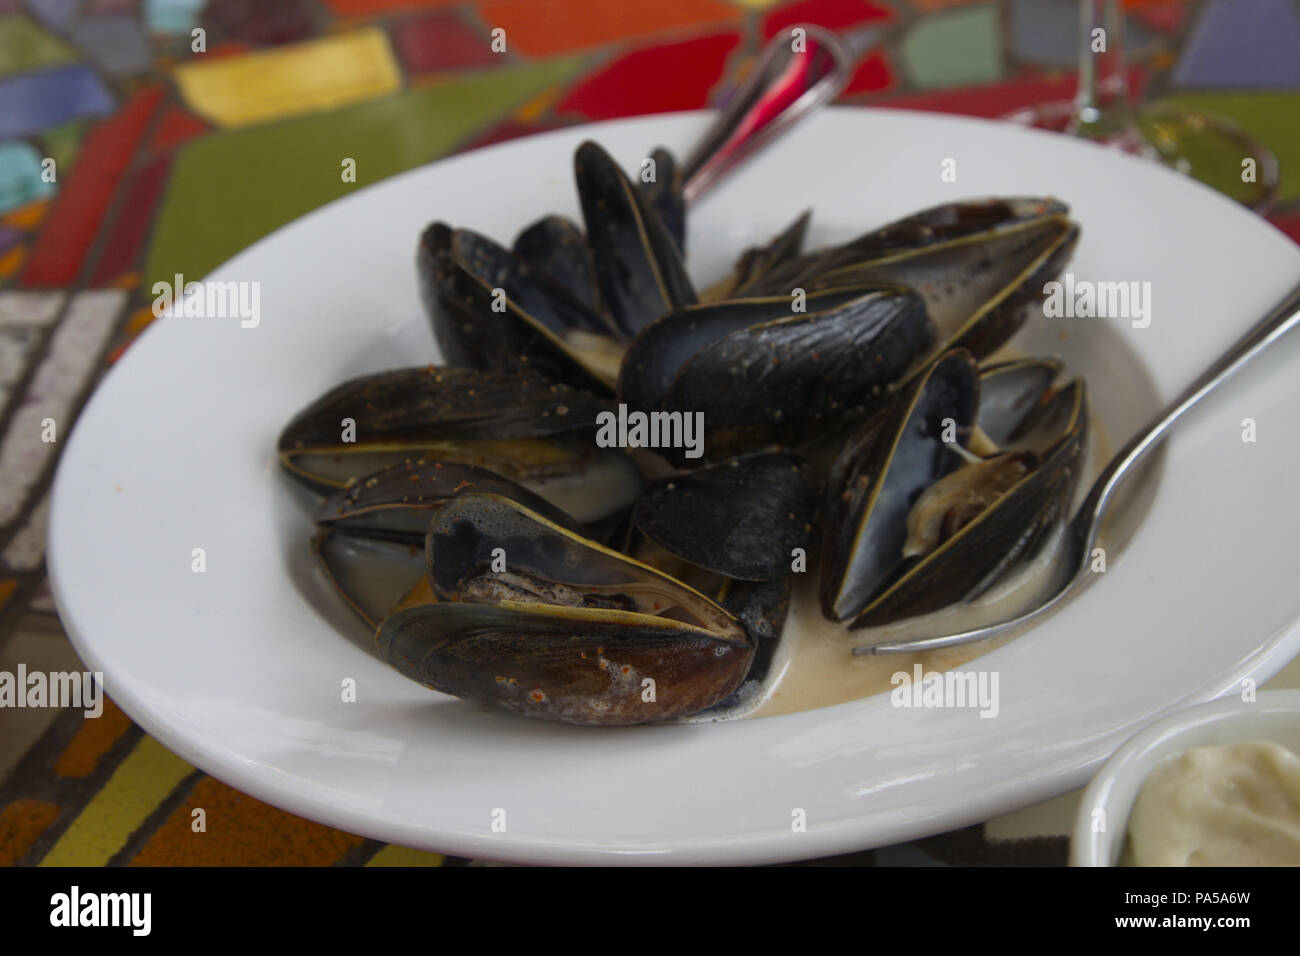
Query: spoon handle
point(1280, 319)
point(786, 84)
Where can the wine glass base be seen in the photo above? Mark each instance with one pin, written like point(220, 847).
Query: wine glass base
point(1208, 148)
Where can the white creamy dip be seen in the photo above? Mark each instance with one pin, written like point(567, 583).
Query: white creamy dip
point(1232, 805)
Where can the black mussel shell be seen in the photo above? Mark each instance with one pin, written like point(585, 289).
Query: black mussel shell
point(638, 265)
point(742, 518)
point(884, 467)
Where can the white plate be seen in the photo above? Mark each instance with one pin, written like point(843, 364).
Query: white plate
point(239, 671)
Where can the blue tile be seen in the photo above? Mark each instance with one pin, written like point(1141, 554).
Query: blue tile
point(115, 43)
point(1245, 43)
point(1047, 32)
point(55, 13)
point(21, 181)
point(31, 102)
point(172, 17)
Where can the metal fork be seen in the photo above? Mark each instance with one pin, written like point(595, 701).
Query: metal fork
point(1080, 536)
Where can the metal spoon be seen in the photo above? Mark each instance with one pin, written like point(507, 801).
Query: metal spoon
point(1081, 534)
point(784, 86)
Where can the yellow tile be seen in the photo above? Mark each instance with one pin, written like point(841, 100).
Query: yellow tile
point(7, 588)
point(139, 320)
point(142, 781)
point(11, 260)
point(304, 78)
point(27, 217)
point(401, 856)
point(537, 105)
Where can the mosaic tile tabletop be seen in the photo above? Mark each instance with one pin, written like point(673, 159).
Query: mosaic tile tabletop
point(124, 130)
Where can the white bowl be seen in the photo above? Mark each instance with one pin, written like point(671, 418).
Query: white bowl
point(238, 669)
point(1274, 716)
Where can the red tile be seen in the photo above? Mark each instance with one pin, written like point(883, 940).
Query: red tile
point(370, 8)
point(507, 130)
point(676, 76)
point(258, 22)
point(132, 225)
point(176, 126)
point(548, 27)
point(832, 14)
point(872, 75)
point(75, 218)
point(441, 41)
point(1288, 222)
point(997, 99)
point(1162, 17)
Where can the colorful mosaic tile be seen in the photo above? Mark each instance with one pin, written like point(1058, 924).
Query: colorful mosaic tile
point(57, 13)
point(531, 27)
point(175, 126)
point(62, 143)
point(304, 78)
point(299, 162)
point(75, 219)
point(143, 190)
point(31, 102)
point(963, 46)
point(631, 85)
point(441, 41)
point(29, 308)
point(1047, 32)
point(26, 549)
point(1245, 43)
point(172, 17)
point(833, 14)
point(114, 43)
point(26, 46)
point(22, 178)
point(62, 376)
point(257, 22)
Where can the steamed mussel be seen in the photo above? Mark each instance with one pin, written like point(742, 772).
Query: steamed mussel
point(855, 428)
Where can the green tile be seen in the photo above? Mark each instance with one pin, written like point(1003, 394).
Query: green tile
point(63, 142)
point(228, 190)
point(953, 49)
point(25, 46)
point(1268, 116)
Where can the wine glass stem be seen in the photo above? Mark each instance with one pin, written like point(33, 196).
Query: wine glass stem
point(1102, 102)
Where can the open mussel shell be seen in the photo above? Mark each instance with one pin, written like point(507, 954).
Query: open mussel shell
point(542, 621)
point(1012, 503)
point(373, 576)
point(511, 423)
point(638, 264)
point(397, 502)
point(557, 246)
point(1010, 390)
point(977, 265)
point(788, 380)
point(741, 518)
point(884, 467)
point(490, 308)
point(1002, 537)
